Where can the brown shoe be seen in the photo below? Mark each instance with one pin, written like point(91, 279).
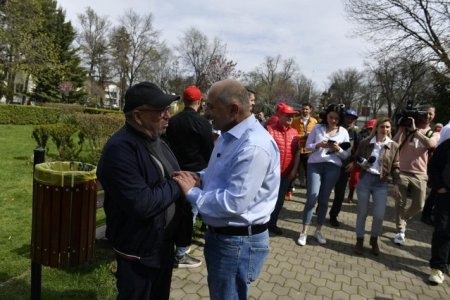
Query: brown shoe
point(359, 247)
point(374, 244)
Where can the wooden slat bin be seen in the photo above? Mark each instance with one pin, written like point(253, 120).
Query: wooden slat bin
point(64, 209)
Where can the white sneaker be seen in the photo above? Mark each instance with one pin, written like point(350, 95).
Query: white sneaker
point(302, 239)
point(319, 237)
point(436, 277)
point(399, 238)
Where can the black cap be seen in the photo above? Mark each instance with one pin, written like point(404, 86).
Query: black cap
point(147, 93)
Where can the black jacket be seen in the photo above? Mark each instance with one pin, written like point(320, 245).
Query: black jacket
point(137, 197)
point(190, 138)
point(439, 167)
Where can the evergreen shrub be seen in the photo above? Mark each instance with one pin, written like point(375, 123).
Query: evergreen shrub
point(28, 115)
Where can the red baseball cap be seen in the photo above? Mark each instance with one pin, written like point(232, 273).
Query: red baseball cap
point(284, 108)
point(371, 123)
point(192, 93)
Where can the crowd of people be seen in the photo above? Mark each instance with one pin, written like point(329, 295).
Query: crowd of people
point(232, 167)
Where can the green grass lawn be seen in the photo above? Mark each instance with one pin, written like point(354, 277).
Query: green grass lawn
point(93, 280)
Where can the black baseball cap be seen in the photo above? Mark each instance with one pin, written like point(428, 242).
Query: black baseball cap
point(147, 93)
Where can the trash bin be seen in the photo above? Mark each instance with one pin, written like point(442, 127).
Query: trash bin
point(64, 207)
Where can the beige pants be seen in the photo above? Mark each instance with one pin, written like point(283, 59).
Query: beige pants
point(417, 184)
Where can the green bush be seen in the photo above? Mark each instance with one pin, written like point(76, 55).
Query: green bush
point(68, 144)
point(77, 108)
point(65, 107)
point(96, 130)
point(100, 111)
point(63, 137)
point(28, 115)
point(76, 130)
point(41, 135)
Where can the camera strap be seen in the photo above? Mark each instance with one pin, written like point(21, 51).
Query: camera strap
point(429, 133)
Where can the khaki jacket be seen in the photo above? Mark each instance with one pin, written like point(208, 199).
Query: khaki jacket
point(303, 132)
point(389, 158)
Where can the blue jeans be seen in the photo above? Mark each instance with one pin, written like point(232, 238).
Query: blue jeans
point(233, 262)
point(321, 179)
point(284, 188)
point(370, 184)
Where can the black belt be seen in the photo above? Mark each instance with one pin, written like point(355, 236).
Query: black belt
point(239, 230)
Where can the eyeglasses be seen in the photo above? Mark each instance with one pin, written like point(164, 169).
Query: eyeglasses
point(162, 111)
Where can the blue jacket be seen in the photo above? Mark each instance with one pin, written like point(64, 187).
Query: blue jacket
point(137, 197)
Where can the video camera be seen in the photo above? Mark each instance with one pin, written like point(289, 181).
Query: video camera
point(415, 112)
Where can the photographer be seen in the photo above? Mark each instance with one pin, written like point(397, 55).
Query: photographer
point(415, 138)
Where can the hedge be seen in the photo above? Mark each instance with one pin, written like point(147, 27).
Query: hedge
point(28, 115)
point(78, 132)
point(74, 108)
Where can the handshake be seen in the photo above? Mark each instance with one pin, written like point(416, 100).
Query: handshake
point(186, 180)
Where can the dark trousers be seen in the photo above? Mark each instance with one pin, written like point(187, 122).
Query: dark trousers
point(339, 193)
point(284, 187)
point(440, 243)
point(304, 165)
point(427, 210)
point(183, 236)
point(136, 281)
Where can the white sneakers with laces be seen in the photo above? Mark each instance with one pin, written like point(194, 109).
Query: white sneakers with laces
point(436, 277)
point(399, 238)
point(302, 239)
point(319, 237)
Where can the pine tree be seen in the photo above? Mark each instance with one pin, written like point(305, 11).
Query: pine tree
point(65, 81)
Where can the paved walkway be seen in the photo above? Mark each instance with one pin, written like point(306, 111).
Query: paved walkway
point(332, 271)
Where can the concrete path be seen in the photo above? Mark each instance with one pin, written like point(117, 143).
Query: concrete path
point(332, 271)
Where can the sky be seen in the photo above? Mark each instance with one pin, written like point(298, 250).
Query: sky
point(313, 32)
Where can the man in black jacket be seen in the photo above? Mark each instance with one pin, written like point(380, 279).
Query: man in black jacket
point(439, 172)
point(135, 170)
point(190, 138)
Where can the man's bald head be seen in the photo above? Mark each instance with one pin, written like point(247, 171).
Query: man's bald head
point(230, 91)
point(227, 104)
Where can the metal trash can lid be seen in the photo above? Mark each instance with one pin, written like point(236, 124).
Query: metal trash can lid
point(64, 173)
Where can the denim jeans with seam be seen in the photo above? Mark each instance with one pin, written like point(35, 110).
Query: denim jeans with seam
point(233, 262)
point(371, 185)
point(321, 179)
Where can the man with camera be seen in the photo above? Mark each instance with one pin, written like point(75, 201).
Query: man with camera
point(416, 138)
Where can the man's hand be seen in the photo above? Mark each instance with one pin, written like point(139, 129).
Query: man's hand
point(349, 167)
point(441, 190)
point(396, 192)
point(186, 180)
point(413, 124)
